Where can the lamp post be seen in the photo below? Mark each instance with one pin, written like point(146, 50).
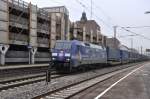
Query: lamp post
point(131, 43)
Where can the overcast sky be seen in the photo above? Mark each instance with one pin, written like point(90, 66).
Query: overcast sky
point(108, 13)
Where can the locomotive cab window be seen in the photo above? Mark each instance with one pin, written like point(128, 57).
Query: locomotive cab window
point(63, 45)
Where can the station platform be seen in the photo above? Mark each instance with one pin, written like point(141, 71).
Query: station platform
point(22, 66)
point(133, 85)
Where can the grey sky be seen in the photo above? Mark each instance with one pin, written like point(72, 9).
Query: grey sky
point(108, 13)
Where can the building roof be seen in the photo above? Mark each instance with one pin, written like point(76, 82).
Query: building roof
point(57, 9)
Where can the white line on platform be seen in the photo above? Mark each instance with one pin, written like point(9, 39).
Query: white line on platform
point(106, 90)
point(54, 83)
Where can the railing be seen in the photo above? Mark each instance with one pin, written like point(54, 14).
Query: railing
point(19, 4)
point(43, 26)
point(43, 40)
point(42, 54)
point(43, 31)
point(18, 37)
point(43, 14)
point(17, 54)
point(20, 21)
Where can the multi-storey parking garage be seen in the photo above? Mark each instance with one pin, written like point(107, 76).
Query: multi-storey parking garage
point(25, 32)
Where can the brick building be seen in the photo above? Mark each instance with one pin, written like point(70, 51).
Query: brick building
point(87, 30)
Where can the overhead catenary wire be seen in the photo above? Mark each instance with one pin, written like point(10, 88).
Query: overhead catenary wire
point(87, 8)
point(106, 24)
point(103, 12)
point(61, 3)
point(122, 36)
point(138, 34)
point(138, 27)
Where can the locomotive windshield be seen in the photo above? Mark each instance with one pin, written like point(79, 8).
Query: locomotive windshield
point(63, 45)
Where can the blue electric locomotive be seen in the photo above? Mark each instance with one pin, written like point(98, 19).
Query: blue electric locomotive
point(74, 54)
point(124, 56)
point(113, 55)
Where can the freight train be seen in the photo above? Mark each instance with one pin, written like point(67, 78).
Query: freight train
point(74, 54)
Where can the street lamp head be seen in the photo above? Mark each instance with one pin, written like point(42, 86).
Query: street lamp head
point(147, 12)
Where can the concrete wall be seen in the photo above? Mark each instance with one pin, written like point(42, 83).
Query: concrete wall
point(33, 26)
point(53, 29)
point(18, 33)
point(4, 22)
point(62, 18)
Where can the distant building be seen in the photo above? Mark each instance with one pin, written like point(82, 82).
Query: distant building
point(112, 42)
point(87, 30)
point(147, 52)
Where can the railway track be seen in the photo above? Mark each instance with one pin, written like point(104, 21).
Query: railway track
point(13, 82)
point(71, 90)
point(30, 79)
point(35, 86)
point(13, 72)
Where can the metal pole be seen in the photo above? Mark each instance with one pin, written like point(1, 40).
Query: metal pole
point(48, 73)
point(29, 56)
point(131, 43)
point(115, 33)
point(2, 59)
point(91, 9)
point(141, 50)
point(131, 49)
point(48, 76)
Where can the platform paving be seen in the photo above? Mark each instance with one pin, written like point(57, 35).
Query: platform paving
point(135, 86)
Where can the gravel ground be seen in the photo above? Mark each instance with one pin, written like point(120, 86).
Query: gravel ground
point(36, 89)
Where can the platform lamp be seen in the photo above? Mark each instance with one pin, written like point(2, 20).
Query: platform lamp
point(147, 12)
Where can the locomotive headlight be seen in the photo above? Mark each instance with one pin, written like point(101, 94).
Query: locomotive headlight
point(53, 58)
point(67, 54)
point(54, 54)
point(68, 59)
